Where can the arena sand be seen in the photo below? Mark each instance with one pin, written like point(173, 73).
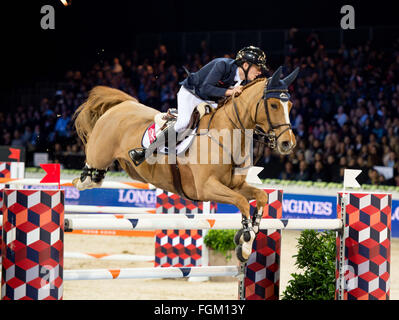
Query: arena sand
point(168, 289)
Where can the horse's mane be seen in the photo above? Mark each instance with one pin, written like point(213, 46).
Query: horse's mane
point(224, 101)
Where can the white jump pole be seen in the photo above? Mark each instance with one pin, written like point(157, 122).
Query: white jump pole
point(104, 256)
point(140, 216)
point(106, 209)
point(212, 221)
point(151, 273)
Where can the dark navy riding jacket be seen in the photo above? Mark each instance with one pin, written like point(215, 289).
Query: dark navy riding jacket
point(213, 79)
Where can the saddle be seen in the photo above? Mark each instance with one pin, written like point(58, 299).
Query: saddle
point(163, 120)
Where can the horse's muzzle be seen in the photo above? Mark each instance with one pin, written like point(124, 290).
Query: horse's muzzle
point(286, 146)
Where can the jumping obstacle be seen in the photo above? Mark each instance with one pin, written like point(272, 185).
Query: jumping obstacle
point(108, 212)
point(108, 256)
point(106, 209)
point(33, 244)
point(33, 248)
point(33, 257)
point(364, 246)
point(181, 247)
point(151, 273)
point(11, 170)
point(8, 170)
point(205, 222)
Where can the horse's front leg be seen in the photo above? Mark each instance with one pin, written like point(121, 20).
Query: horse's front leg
point(252, 193)
point(216, 191)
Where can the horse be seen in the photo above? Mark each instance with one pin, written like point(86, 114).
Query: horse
point(111, 122)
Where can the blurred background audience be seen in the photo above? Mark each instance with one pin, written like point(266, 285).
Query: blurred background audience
point(345, 110)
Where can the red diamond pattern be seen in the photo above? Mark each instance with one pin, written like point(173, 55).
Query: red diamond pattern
point(367, 248)
point(262, 278)
point(30, 232)
point(185, 245)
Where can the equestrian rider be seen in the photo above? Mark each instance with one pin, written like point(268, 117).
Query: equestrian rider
point(221, 77)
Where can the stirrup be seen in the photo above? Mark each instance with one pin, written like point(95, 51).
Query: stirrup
point(137, 155)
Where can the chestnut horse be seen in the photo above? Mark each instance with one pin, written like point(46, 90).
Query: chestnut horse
point(111, 123)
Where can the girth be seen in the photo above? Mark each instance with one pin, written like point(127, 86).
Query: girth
point(176, 176)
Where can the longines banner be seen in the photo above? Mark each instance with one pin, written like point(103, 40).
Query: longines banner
point(294, 205)
point(107, 197)
point(12, 154)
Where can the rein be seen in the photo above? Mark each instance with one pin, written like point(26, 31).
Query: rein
point(271, 136)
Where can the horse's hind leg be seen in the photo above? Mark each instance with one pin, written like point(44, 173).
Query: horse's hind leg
point(99, 156)
point(89, 178)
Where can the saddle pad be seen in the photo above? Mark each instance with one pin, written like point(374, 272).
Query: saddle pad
point(150, 135)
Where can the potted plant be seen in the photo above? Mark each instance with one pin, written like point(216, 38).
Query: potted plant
point(220, 244)
point(316, 258)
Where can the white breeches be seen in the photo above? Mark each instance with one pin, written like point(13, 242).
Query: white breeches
point(186, 103)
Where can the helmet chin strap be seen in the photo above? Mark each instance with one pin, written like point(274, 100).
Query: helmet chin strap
point(246, 71)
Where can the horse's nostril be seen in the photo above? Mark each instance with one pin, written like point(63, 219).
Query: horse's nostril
point(285, 144)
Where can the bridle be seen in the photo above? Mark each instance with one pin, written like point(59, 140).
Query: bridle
point(270, 136)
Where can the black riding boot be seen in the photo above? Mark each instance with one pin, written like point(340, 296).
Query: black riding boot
point(139, 155)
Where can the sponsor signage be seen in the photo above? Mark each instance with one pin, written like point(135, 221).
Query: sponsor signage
point(300, 206)
point(395, 219)
point(309, 206)
point(106, 197)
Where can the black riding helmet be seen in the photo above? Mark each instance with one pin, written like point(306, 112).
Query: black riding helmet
point(252, 55)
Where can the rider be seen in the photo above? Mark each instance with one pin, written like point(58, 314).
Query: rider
point(221, 77)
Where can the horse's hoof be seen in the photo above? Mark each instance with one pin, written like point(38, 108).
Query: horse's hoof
point(237, 237)
point(243, 251)
point(86, 184)
point(239, 254)
point(75, 183)
point(247, 236)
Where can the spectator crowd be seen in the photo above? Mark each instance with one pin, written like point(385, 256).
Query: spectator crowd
point(345, 110)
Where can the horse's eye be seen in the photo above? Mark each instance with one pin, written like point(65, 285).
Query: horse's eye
point(274, 106)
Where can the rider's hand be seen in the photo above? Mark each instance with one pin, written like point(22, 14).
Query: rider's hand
point(236, 91)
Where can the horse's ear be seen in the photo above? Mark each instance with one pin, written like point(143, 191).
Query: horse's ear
point(291, 77)
point(275, 79)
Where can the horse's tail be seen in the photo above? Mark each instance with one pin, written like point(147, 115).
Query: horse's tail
point(100, 100)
